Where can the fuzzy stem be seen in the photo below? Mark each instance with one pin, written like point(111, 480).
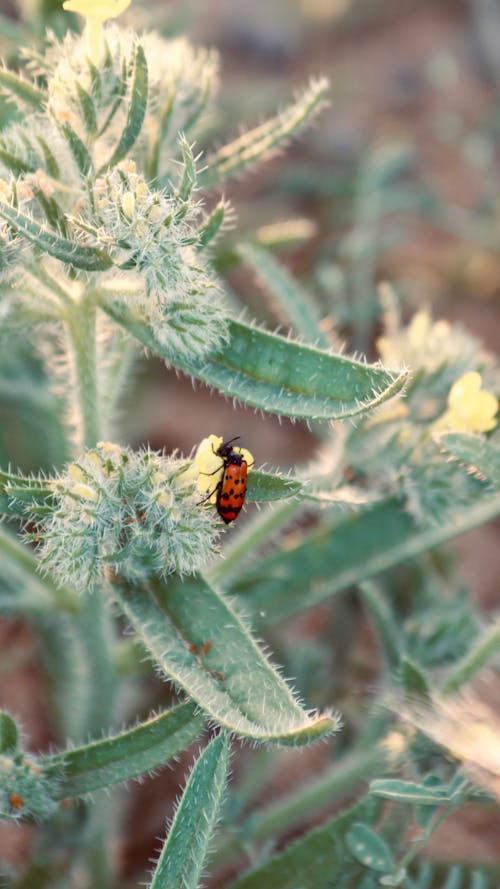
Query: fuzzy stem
point(486, 648)
point(96, 633)
point(93, 33)
point(81, 326)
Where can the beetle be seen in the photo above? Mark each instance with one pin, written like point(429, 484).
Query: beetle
point(232, 487)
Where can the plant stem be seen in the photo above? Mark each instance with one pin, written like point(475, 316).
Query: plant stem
point(81, 325)
point(96, 632)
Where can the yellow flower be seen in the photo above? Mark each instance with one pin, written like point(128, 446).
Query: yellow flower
point(210, 465)
point(470, 408)
point(96, 12)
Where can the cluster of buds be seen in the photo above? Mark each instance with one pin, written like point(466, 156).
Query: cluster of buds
point(426, 344)
point(156, 236)
point(24, 790)
point(134, 513)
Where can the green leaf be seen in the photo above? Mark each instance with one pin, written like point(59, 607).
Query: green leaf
point(413, 680)
point(409, 792)
point(383, 619)
point(136, 109)
point(296, 305)
point(485, 648)
point(18, 492)
point(394, 879)
point(315, 861)
point(33, 591)
point(303, 801)
point(88, 109)
point(71, 252)
point(183, 855)
point(8, 733)
point(368, 848)
point(78, 150)
point(263, 142)
point(51, 163)
point(17, 166)
point(132, 753)
point(476, 452)
point(212, 224)
point(344, 551)
point(26, 92)
point(479, 880)
point(265, 486)
point(455, 878)
point(202, 645)
point(188, 180)
point(278, 375)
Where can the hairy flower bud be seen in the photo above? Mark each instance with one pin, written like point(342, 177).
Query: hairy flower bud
point(155, 234)
point(24, 790)
point(135, 512)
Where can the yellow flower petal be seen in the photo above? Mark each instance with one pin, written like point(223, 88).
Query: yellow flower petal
point(470, 409)
point(467, 384)
point(95, 9)
point(419, 328)
point(211, 466)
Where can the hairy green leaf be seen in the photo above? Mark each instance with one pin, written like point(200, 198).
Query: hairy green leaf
point(409, 792)
point(9, 735)
point(136, 109)
point(138, 750)
point(265, 486)
point(343, 551)
point(296, 305)
point(212, 224)
point(278, 375)
point(17, 166)
point(26, 92)
point(88, 109)
point(483, 649)
point(413, 680)
point(17, 492)
point(185, 849)
point(78, 150)
point(315, 861)
point(202, 645)
point(476, 452)
point(71, 252)
point(262, 142)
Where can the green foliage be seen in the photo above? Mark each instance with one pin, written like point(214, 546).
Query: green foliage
point(132, 753)
point(201, 644)
point(106, 247)
point(182, 857)
point(369, 849)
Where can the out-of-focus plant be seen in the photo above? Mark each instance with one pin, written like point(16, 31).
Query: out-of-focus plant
point(106, 246)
